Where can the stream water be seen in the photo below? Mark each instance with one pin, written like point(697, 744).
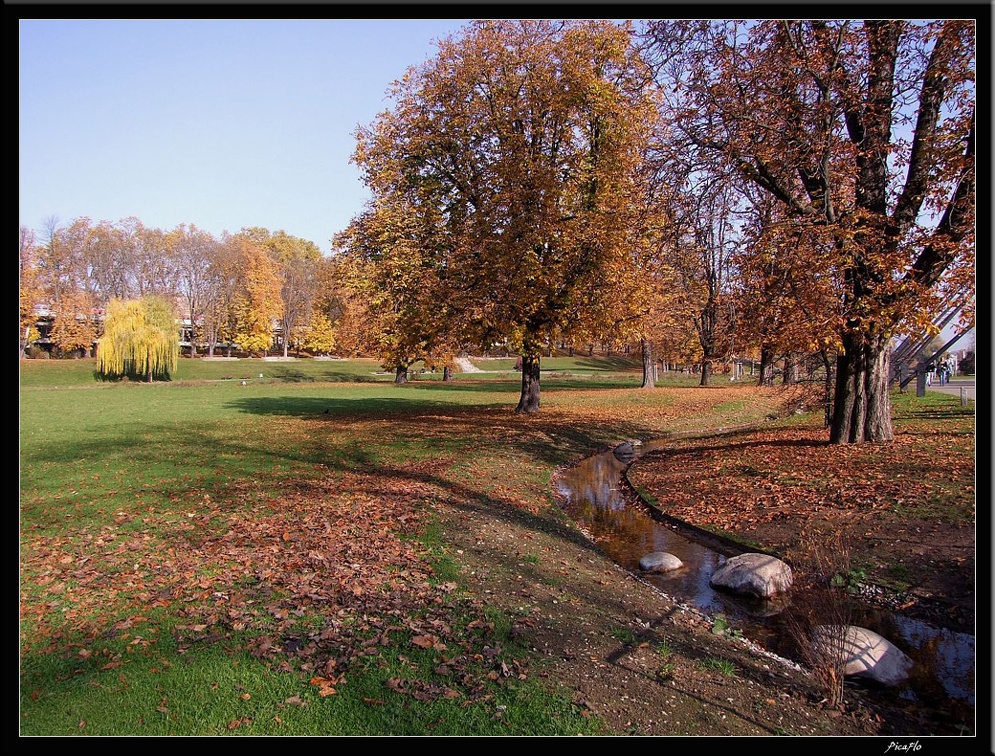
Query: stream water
point(596, 497)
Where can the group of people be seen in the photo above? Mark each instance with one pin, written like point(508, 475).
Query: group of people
point(940, 370)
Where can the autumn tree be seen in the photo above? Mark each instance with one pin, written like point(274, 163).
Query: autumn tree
point(704, 235)
point(151, 266)
point(515, 147)
point(193, 250)
point(221, 294)
point(297, 263)
point(341, 307)
point(74, 327)
point(141, 340)
point(318, 334)
point(29, 289)
point(62, 259)
point(391, 260)
point(63, 276)
point(787, 306)
point(639, 303)
point(255, 305)
point(108, 274)
point(226, 289)
point(865, 130)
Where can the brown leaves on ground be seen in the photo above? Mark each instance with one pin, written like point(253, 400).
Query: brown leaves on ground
point(337, 547)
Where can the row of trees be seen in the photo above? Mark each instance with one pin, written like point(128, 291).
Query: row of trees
point(797, 187)
point(234, 289)
point(784, 189)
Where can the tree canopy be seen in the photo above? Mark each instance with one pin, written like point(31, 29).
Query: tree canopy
point(512, 156)
point(864, 132)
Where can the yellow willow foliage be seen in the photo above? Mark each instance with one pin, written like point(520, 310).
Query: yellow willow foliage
point(140, 339)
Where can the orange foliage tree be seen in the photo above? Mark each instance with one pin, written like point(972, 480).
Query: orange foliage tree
point(863, 132)
point(29, 288)
point(516, 147)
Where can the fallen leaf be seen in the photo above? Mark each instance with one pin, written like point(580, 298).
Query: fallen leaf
point(425, 641)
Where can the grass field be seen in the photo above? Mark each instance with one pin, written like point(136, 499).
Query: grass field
point(140, 616)
point(204, 557)
point(64, 373)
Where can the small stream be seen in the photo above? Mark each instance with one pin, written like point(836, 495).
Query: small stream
point(625, 529)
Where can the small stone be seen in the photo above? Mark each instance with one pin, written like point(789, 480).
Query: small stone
point(660, 561)
point(624, 452)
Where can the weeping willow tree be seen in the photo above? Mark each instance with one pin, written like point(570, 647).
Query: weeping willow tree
point(140, 340)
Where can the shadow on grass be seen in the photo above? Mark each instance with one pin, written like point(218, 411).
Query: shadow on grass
point(749, 441)
point(778, 444)
point(549, 385)
point(294, 375)
point(365, 408)
point(607, 363)
point(938, 414)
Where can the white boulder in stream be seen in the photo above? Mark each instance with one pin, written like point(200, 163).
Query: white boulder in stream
point(660, 561)
point(865, 653)
point(753, 574)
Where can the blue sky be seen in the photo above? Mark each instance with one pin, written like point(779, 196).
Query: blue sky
point(220, 124)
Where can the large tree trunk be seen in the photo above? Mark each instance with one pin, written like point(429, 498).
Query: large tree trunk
point(649, 379)
point(861, 404)
point(400, 375)
point(706, 372)
point(528, 403)
point(447, 374)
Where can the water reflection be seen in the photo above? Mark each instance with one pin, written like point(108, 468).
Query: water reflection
point(594, 496)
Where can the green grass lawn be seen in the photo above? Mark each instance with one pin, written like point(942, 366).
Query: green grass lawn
point(602, 370)
point(62, 373)
point(138, 618)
